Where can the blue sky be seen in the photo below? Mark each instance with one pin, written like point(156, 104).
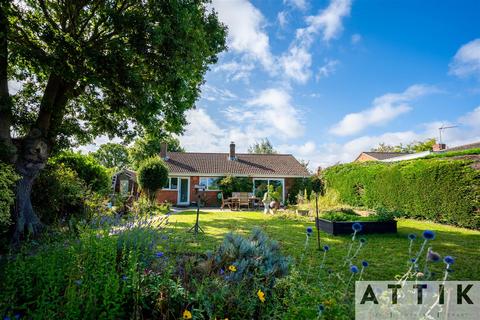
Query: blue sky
point(325, 80)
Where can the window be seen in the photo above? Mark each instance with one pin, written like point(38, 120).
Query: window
point(260, 186)
point(210, 182)
point(172, 184)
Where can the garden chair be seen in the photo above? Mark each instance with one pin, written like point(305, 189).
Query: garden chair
point(225, 202)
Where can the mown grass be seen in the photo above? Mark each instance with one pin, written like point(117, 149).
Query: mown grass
point(387, 254)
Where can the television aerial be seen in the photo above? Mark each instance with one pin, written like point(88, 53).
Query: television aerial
point(440, 130)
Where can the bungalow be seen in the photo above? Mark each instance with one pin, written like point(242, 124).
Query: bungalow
point(187, 169)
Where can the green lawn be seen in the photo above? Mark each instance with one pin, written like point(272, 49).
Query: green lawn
point(387, 254)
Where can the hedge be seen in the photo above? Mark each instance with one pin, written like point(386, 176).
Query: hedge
point(8, 178)
point(442, 190)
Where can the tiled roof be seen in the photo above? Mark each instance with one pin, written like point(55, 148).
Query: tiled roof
point(464, 147)
point(245, 165)
point(384, 155)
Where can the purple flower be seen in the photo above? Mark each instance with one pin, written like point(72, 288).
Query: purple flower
point(124, 278)
point(433, 256)
point(222, 272)
point(326, 248)
point(159, 254)
point(413, 260)
point(412, 236)
point(354, 269)
point(449, 260)
point(17, 316)
point(365, 263)
point(309, 230)
point(357, 227)
point(429, 234)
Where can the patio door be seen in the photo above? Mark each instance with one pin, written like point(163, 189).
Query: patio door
point(183, 191)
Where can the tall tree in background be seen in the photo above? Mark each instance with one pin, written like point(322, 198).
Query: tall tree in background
point(262, 147)
point(112, 155)
point(149, 146)
point(93, 67)
point(416, 146)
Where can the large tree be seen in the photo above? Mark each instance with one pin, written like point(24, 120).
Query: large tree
point(149, 146)
point(112, 155)
point(264, 146)
point(416, 146)
point(92, 67)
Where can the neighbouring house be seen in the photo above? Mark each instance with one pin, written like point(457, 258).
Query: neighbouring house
point(377, 156)
point(402, 156)
point(188, 169)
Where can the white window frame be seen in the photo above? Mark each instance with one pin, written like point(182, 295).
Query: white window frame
point(207, 186)
point(268, 183)
point(170, 184)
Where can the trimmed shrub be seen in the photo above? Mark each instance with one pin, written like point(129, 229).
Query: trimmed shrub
point(442, 190)
point(87, 168)
point(8, 177)
point(152, 175)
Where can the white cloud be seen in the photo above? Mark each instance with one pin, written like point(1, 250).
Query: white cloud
point(236, 70)
point(212, 93)
point(327, 21)
point(299, 4)
point(356, 38)
point(296, 64)
point(282, 19)
point(327, 69)
point(246, 33)
point(467, 60)
point(274, 108)
point(384, 109)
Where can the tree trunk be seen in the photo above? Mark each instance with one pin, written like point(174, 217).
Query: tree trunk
point(33, 153)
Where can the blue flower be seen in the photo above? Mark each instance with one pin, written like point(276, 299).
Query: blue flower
point(449, 260)
point(326, 248)
point(78, 282)
point(159, 254)
point(321, 308)
point(17, 316)
point(124, 277)
point(222, 272)
point(363, 240)
point(357, 227)
point(365, 263)
point(354, 268)
point(429, 234)
point(413, 260)
point(6, 318)
point(412, 236)
point(309, 230)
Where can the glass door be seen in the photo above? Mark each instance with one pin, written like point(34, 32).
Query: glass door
point(184, 191)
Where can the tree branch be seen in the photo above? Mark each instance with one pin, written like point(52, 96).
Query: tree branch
point(5, 100)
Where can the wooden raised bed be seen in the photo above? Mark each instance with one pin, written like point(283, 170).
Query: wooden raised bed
point(345, 227)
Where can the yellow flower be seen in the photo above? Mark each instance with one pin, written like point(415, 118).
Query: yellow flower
point(187, 314)
point(232, 268)
point(261, 295)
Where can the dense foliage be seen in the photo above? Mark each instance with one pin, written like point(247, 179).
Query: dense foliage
point(458, 153)
point(112, 155)
point(263, 146)
point(149, 146)
point(442, 190)
point(86, 167)
point(152, 175)
point(416, 146)
point(8, 177)
point(231, 184)
point(301, 188)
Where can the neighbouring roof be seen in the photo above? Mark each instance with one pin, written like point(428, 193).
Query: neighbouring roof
point(463, 147)
point(262, 165)
point(384, 155)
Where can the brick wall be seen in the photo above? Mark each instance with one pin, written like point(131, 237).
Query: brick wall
point(166, 195)
point(363, 157)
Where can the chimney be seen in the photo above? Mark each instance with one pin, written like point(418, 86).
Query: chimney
point(163, 151)
point(439, 147)
point(232, 155)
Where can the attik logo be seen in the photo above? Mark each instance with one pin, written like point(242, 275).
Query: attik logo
point(417, 300)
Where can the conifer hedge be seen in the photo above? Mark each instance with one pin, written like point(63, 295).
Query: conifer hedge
point(442, 190)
